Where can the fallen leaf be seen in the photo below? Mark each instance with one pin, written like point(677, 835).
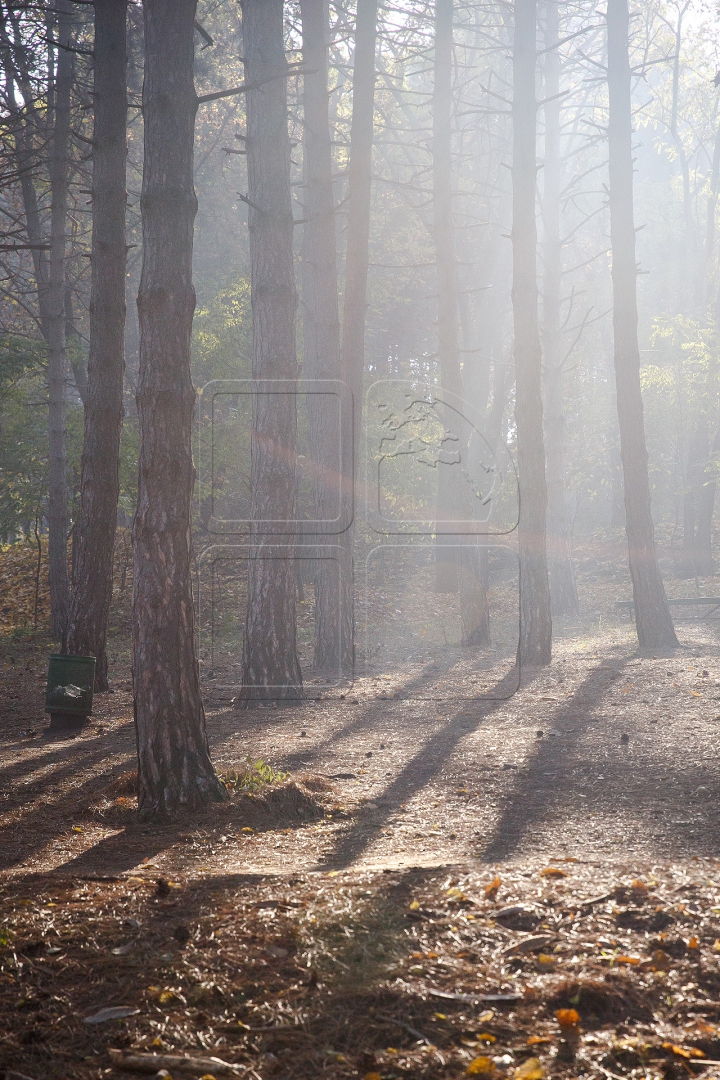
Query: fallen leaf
point(491, 890)
point(545, 961)
point(682, 1051)
point(553, 871)
point(373, 1076)
point(440, 1016)
point(660, 961)
point(530, 1070)
point(112, 1012)
point(693, 943)
point(484, 1036)
point(415, 905)
point(567, 1018)
point(627, 960)
point(480, 1066)
point(535, 1040)
point(123, 950)
point(529, 944)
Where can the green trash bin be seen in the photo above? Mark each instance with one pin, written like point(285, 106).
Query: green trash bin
point(69, 691)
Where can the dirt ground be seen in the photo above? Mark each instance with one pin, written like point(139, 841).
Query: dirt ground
point(308, 929)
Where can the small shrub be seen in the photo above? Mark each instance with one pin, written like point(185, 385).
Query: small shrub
point(252, 777)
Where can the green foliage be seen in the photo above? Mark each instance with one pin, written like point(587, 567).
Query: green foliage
point(254, 776)
point(221, 334)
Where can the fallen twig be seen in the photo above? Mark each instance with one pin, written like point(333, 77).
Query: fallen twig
point(402, 1024)
point(153, 1063)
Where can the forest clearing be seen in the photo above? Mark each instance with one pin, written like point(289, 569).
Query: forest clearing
point(359, 555)
point(398, 847)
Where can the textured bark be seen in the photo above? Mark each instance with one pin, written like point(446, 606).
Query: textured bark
point(652, 615)
point(270, 666)
point(535, 644)
point(99, 484)
point(563, 590)
point(333, 645)
point(458, 563)
point(174, 768)
point(55, 325)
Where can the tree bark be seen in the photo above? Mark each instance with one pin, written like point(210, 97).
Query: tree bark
point(270, 666)
point(333, 646)
point(358, 205)
point(174, 768)
point(100, 483)
point(563, 590)
point(458, 564)
point(704, 562)
point(535, 646)
point(652, 615)
point(55, 324)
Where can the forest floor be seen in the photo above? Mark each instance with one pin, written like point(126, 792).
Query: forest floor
point(454, 863)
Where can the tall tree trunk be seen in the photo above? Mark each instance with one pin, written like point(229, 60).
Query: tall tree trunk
point(99, 485)
point(174, 768)
point(652, 615)
point(352, 350)
point(535, 645)
point(563, 590)
point(458, 565)
point(59, 175)
point(704, 562)
point(270, 666)
point(358, 205)
point(333, 646)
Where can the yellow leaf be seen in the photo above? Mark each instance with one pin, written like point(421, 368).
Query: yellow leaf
point(432, 956)
point(455, 894)
point(440, 1016)
point(682, 1051)
point(166, 996)
point(553, 871)
point(415, 905)
point(546, 961)
point(480, 1066)
point(491, 890)
point(77, 828)
point(391, 1050)
point(485, 1017)
point(373, 1076)
point(331, 873)
point(247, 829)
point(485, 1037)
point(206, 1076)
point(567, 1018)
point(627, 960)
point(639, 886)
point(530, 1070)
point(716, 946)
point(534, 1040)
point(693, 943)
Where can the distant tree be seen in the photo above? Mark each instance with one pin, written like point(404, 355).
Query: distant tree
point(652, 614)
point(563, 590)
point(174, 768)
point(94, 535)
point(270, 665)
point(535, 619)
point(333, 648)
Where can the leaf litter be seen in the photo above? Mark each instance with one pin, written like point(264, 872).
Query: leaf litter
point(342, 976)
